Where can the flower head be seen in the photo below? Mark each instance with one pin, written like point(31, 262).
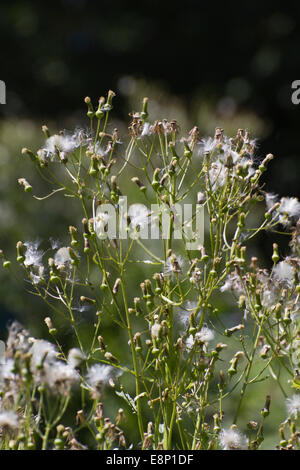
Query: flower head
point(75, 357)
point(173, 265)
point(62, 258)
point(205, 335)
point(284, 272)
point(139, 216)
point(233, 439)
point(101, 220)
point(33, 256)
point(59, 377)
point(217, 175)
point(289, 206)
point(233, 283)
point(270, 199)
point(61, 143)
point(7, 371)
point(293, 405)
point(42, 351)
point(98, 376)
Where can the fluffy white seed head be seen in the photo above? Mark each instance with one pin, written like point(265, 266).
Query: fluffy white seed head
point(139, 216)
point(62, 143)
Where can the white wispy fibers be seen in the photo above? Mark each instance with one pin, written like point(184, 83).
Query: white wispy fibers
point(9, 419)
point(99, 374)
point(33, 256)
point(101, 220)
point(284, 272)
point(290, 206)
point(59, 377)
point(62, 143)
point(62, 257)
point(42, 350)
point(75, 357)
point(293, 405)
point(233, 439)
point(183, 313)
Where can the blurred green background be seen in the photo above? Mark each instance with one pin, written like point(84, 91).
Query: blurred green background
point(228, 65)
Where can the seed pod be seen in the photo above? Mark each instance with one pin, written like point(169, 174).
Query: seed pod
point(26, 151)
point(266, 409)
point(275, 256)
point(73, 233)
point(20, 252)
point(144, 113)
point(90, 112)
point(23, 182)
point(138, 182)
point(74, 257)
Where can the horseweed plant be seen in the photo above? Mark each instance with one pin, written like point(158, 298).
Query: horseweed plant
point(178, 360)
